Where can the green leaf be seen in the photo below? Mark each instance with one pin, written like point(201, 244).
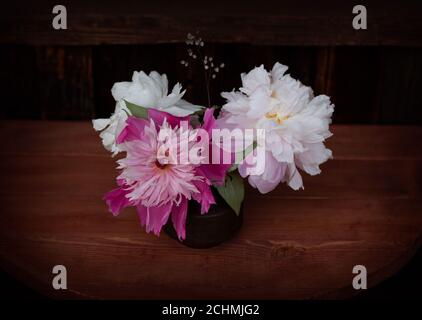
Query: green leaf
point(233, 191)
point(136, 110)
point(200, 112)
point(232, 168)
point(194, 120)
point(241, 155)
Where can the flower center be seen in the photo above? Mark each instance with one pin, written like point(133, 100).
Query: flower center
point(276, 116)
point(160, 165)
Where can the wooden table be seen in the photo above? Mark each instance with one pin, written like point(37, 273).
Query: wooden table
point(365, 208)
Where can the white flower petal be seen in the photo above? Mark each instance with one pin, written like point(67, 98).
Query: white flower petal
point(293, 177)
point(278, 71)
point(100, 124)
point(120, 90)
point(273, 174)
point(255, 78)
point(259, 103)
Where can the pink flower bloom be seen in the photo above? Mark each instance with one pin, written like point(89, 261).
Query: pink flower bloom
point(157, 187)
point(295, 122)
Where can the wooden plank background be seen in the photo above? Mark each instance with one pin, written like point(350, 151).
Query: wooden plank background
point(372, 85)
point(363, 209)
point(282, 22)
point(374, 76)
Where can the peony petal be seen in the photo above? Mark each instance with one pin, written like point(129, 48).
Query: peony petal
point(261, 184)
point(204, 196)
point(259, 102)
point(178, 217)
point(161, 81)
point(257, 77)
point(294, 179)
point(172, 98)
point(159, 116)
point(184, 108)
point(312, 157)
point(157, 217)
point(142, 213)
point(209, 121)
point(117, 200)
point(133, 130)
point(120, 90)
point(278, 71)
point(216, 173)
point(267, 181)
point(100, 124)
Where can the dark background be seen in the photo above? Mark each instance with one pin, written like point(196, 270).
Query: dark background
point(375, 85)
point(374, 76)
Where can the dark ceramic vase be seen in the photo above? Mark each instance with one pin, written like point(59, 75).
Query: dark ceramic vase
point(209, 229)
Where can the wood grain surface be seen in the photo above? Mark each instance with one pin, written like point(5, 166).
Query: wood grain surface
point(365, 208)
point(300, 22)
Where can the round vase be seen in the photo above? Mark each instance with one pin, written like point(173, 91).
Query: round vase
point(209, 229)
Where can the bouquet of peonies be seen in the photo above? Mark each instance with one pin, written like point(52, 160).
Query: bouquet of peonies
point(176, 152)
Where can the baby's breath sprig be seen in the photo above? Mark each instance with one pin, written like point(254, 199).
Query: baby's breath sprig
point(211, 68)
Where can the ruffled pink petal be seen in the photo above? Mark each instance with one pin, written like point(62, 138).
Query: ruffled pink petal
point(267, 181)
point(142, 213)
point(178, 217)
point(264, 186)
point(156, 217)
point(116, 200)
point(133, 130)
point(216, 173)
point(209, 121)
point(204, 197)
point(245, 165)
point(159, 116)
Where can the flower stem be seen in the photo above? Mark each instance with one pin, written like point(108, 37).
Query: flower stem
point(206, 76)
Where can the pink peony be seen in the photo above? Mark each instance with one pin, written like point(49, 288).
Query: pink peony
point(295, 122)
point(157, 186)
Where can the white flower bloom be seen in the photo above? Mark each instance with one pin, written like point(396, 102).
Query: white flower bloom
point(296, 125)
point(148, 91)
point(111, 128)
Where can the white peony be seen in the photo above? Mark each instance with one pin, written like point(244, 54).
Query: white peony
point(295, 122)
point(148, 91)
